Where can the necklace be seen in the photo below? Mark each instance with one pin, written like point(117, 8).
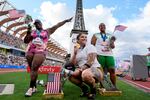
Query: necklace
point(103, 36)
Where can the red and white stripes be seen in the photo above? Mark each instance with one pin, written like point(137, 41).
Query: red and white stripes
point(53, 87)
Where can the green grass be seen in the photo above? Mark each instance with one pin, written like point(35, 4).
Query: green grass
point(21, 79)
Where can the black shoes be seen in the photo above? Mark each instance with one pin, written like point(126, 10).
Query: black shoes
point(85, 91)
point(91, 96)
point(84, 94)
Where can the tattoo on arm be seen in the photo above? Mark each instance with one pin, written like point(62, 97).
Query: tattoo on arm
point(91, 58)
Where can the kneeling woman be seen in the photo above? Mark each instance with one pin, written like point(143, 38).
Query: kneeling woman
point(88, 70)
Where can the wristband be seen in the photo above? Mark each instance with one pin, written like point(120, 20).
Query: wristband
point(87, 65)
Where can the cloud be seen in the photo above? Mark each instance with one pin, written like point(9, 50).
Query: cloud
point(54, 13)
point(134, 40)
point(95, 16)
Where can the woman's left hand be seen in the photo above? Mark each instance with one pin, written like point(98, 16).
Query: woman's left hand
point(113, 38)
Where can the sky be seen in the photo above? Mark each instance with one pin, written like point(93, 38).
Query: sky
point(135, 14)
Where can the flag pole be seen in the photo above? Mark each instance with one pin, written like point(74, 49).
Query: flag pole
point(114, 31)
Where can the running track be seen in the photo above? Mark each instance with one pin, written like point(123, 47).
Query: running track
point(145, 86)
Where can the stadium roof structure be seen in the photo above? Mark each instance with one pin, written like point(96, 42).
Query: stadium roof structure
point(18, 28)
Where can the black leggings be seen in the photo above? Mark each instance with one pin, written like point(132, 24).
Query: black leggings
point(34, 61)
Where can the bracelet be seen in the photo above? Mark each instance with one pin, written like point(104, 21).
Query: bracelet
point(87, 65)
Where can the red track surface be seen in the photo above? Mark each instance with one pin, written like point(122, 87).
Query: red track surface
point(144, 85)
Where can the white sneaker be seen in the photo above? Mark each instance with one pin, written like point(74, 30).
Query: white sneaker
point(40, 82)
point(67, 72)
point(34, 90)
point(29, 92)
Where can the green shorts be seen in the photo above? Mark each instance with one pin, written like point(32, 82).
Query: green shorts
point(106, 61)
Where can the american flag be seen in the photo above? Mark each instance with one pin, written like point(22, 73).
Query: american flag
point(16, 13)
point(120, 27)
point(53, 84)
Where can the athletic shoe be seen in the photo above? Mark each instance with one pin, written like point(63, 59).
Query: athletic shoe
point(29, 92)
point(34, 90)
point(91, 96)
point(84, 94)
